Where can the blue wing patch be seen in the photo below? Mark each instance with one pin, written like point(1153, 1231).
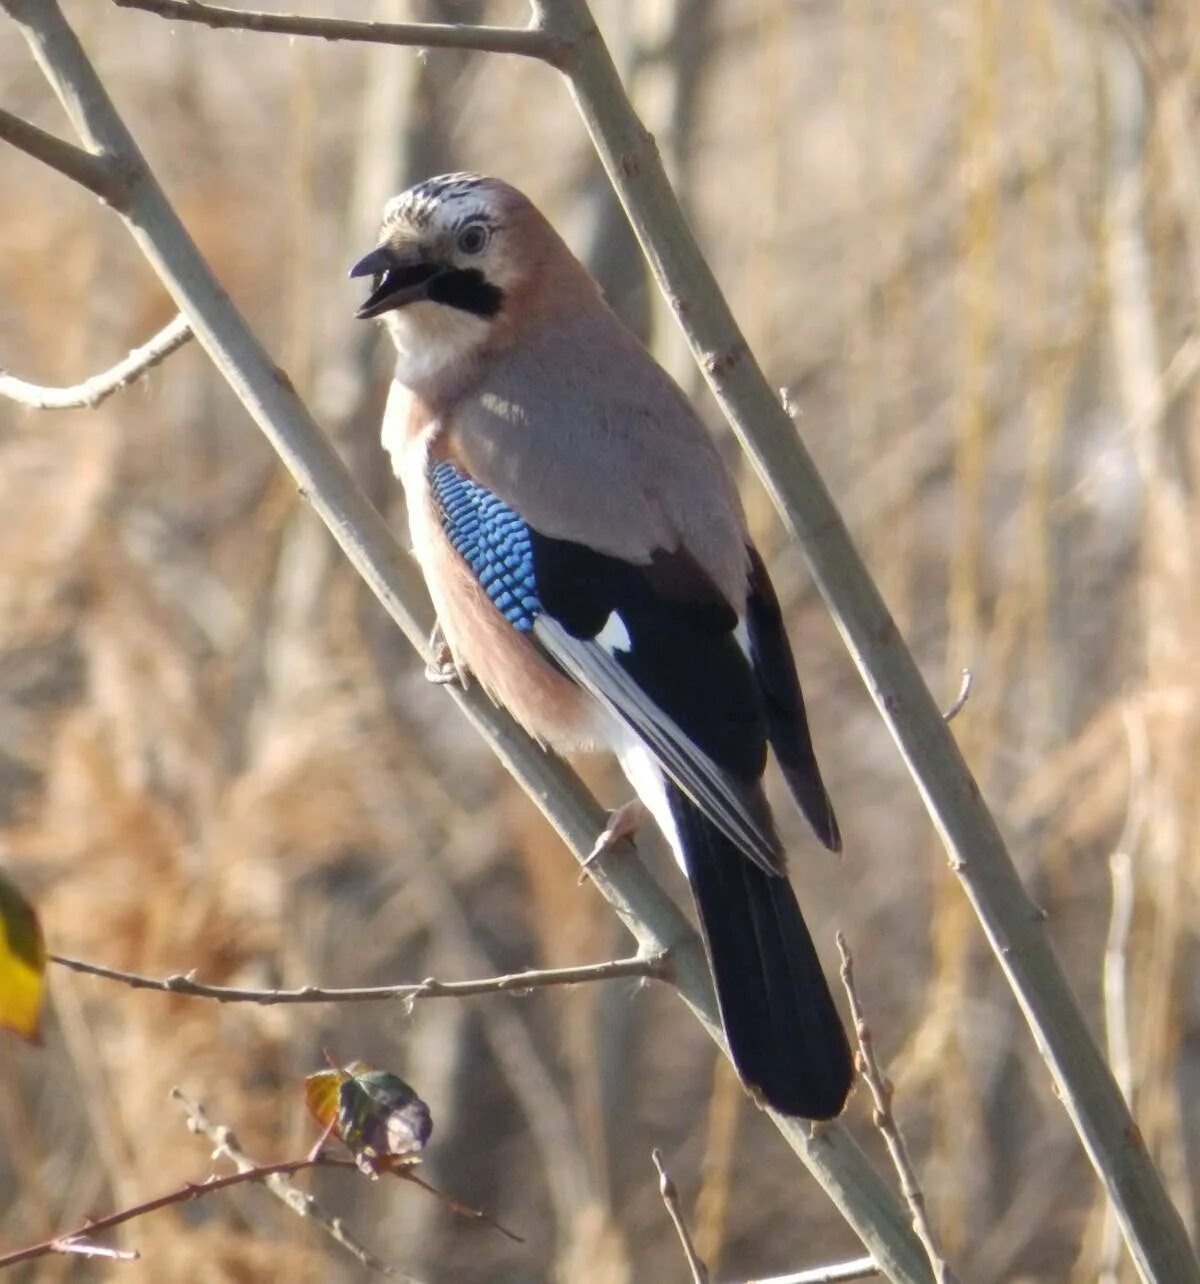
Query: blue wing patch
point(492, 540)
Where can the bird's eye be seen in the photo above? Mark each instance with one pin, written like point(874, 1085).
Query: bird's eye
point(472, 238)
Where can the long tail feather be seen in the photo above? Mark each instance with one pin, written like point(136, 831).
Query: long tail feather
point(784, 1032)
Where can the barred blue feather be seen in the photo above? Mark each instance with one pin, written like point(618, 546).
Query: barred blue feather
point(492, 540)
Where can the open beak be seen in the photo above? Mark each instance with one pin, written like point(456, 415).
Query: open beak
point(397, 283)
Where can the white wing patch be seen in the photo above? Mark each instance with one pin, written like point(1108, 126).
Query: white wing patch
point(645, 775)
point(614, 636)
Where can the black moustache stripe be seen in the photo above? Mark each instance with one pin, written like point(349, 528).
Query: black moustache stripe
point(467, 290)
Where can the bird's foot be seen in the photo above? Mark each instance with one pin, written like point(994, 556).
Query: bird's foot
point(442, 668)
point(622, 824)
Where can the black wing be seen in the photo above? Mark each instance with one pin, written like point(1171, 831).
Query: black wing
point(656, 644)
point(787, 723)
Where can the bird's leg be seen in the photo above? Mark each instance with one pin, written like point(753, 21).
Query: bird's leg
point(622, 823)
point(443, 668)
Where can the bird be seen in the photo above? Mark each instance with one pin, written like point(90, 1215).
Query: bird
point(589, 561)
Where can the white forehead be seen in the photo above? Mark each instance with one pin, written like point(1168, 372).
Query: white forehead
point(444, 200)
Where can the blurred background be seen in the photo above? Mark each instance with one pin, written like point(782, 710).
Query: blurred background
point(965, 239)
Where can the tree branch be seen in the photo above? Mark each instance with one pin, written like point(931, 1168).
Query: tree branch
point(91, 392)
point(885, 1121)
point(647, 966)
point(266, 1173)
point(977, 853)
point(98, 174)
point(276, 1180)
point(670, 1199)
point(656, 922)
point(960, 700)
point(530, 43)
point(862, 1268)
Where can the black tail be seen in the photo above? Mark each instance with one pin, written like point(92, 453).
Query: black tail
point(784, 1032)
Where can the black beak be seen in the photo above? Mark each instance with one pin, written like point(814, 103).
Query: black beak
point(396, 284)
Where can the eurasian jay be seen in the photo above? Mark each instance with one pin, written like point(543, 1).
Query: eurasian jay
point(589, 561)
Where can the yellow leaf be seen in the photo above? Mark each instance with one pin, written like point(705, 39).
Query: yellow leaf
point(321, 1095)
point(22, 964)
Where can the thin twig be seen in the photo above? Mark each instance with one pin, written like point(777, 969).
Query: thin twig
point(862, 1268)
point(670, 1198)
point(460, 1209)
point(99, 174)
point(645, 966)
point(960, 700)
point(1116, 948)
point(275, 1178)
point(1177, 378)
point(91, 392)
point(85, 1248)
point(885, 1121)
point(529, 43)
point(266, 1173)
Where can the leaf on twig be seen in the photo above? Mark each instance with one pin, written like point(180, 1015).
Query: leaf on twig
point(22, 964)
point(379, 1117)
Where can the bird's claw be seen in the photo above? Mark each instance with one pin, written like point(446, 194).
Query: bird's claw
point(622, 824)
point(442, 669)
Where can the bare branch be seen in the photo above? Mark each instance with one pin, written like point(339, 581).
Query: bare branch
point(91, 392)
point(266, 1173)
point(978, 855)
point(646, 966)
point(275, 1178)
point(85, 1248)
point(885, 1121)
point(960, 700)
point(99, 174)
point(529, 43)
point(1176, 379)
point(656, 922)
point(460, 1210)
point(1116, 968)
point(670, 1198)
point(862, 1268)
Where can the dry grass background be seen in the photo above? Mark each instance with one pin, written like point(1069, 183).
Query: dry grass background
point(966, 245)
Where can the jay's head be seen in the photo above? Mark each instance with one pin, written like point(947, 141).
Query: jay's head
point(462, 264)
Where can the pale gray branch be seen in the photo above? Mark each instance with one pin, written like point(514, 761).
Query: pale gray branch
point(862, 1268)
point(645, 966)
point(91, 392)
point(670, 1199)
point(529, 43)
point(96, 173)
point(960, 700)
point(657, 924)
point(978, 855)
point(977, 852)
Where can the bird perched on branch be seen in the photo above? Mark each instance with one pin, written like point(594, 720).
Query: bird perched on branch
point(588, 557)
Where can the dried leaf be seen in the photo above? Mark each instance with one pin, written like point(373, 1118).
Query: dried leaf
point(22, 964)
point(379, 1117)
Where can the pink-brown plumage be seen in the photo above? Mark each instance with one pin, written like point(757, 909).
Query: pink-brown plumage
point(591, 569)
